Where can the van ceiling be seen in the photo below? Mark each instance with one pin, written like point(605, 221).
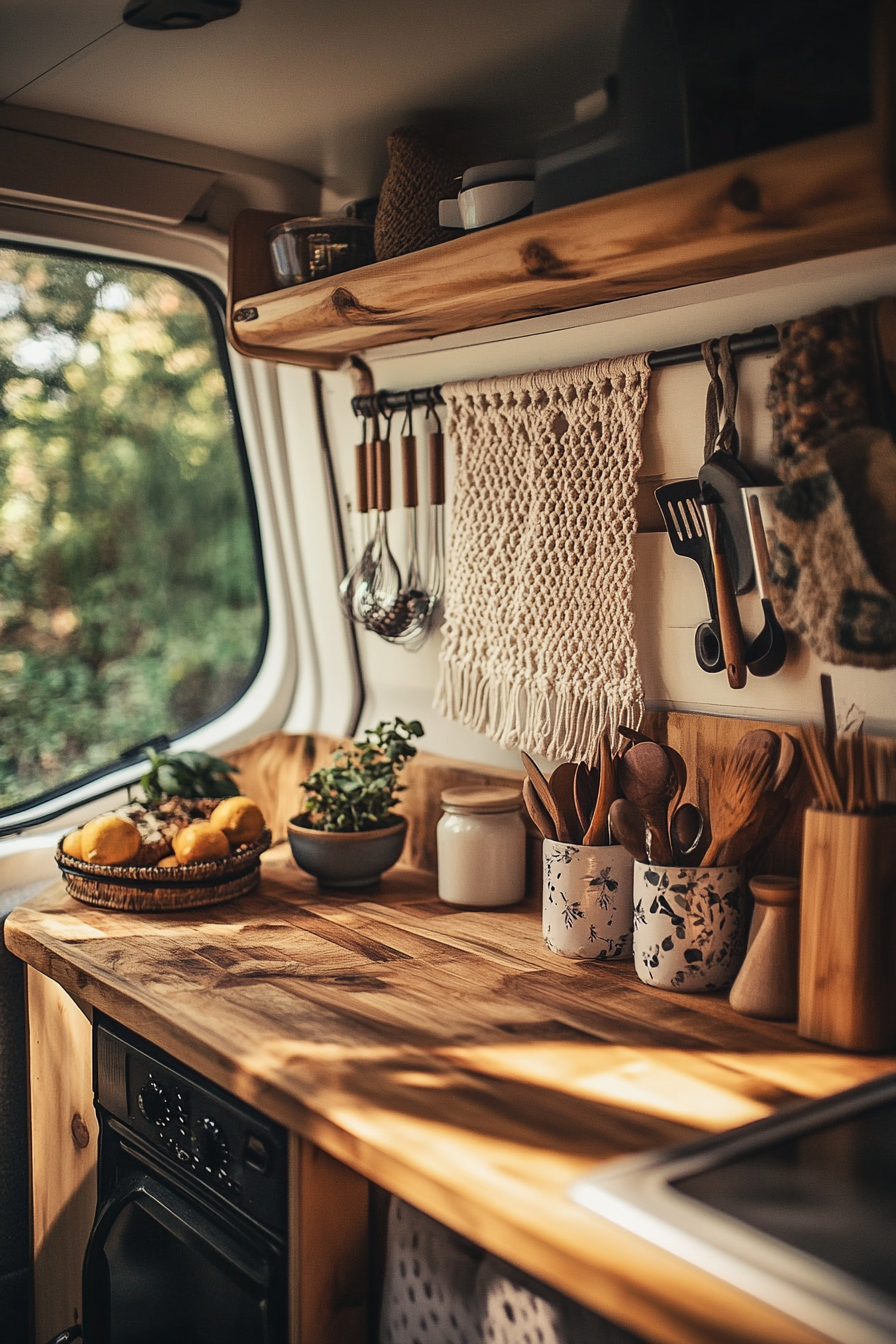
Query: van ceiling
point(317, 85)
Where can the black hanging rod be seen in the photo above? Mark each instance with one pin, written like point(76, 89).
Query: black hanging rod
point(746, 343)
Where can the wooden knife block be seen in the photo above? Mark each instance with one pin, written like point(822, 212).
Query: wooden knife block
point(847, 990)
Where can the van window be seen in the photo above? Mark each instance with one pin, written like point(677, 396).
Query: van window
point(131, 591)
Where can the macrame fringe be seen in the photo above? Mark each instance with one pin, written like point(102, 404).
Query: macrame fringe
point(514, 714)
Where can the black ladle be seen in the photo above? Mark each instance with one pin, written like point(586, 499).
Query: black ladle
point(768, 651)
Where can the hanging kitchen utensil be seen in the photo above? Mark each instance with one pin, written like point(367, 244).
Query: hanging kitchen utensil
point(414, 602)
point(767, 653)
point(376, 599)
point(360, 571)
point(729, 617)
point(722, 477)
point(680, 506)
point(435, 575)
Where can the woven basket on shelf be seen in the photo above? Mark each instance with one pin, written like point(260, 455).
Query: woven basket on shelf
point(123, 887)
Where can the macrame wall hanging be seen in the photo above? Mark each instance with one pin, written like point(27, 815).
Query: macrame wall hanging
point(538, 648)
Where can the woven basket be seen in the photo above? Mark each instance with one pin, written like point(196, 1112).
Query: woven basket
point(121, 887)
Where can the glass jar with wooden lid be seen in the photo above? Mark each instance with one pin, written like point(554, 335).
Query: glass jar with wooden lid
point(481, 842)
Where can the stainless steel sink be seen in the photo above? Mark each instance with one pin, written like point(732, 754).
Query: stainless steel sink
point(798, 1210)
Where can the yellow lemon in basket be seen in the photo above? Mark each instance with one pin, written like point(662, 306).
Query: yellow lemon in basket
point(169, 861)
point(240, 819)
point(110, 840)
point(71, 845)
point(200, 841)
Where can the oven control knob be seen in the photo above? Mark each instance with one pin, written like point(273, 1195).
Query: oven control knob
point(210, 1145)
point(154, 1103)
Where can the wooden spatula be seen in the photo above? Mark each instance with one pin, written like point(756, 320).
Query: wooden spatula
point(543, 789)
point(538, 812)
point(562, 784)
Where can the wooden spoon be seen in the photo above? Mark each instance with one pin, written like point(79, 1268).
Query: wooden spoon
point(585, 791)
point(597, 833)
point(562, 783)
point(790, 762)
point(629, 828)
point(648, 779)
point(543, 789)
point(681, 777)
point(768, 817)
point(538, 812)
point(686, 830)
point(736, 789)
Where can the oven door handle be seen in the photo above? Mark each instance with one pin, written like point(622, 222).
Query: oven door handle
point(189, 1225)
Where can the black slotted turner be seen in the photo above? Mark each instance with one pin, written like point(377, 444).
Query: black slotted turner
point(680, 506)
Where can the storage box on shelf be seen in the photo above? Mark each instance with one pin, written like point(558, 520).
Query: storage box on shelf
point(814, 199)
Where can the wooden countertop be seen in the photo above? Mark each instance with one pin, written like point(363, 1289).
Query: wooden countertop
point(448, 1056)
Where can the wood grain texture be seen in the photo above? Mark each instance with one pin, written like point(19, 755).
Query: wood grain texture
point(813, 199)
point(848, 931)
point(250, 272)
point(64, 1135)
point(328, 1247)
point(449, 1057)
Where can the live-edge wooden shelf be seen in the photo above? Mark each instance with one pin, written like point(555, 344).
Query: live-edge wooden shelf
point(814, 199)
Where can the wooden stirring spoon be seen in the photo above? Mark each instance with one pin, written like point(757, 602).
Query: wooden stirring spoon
point(585, 791)
point(629, 828)
point(597, 833)
point(562, 783)
point(648, 779)
point(538, 812)
point(543, 789)
point(686, 830)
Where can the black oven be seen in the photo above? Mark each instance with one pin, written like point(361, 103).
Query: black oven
point(189, 1243)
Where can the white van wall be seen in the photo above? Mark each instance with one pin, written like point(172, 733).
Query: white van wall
point(668, 596)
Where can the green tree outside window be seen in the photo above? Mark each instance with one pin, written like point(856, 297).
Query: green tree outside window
point(130, 592)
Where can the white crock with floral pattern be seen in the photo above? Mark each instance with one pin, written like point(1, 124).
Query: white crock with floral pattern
point(587, 903)
point(689, 926)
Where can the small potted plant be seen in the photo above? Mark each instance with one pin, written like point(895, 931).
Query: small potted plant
point(347, 834)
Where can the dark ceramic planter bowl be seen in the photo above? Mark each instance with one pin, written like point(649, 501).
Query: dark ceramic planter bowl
point(346, 858)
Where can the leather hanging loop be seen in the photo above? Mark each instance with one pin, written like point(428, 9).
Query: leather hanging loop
point(721, 399)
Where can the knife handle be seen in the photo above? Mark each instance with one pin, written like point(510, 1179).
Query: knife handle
point(729, 617)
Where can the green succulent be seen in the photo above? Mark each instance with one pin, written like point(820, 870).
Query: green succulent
point(187, 774)
point(358, 790)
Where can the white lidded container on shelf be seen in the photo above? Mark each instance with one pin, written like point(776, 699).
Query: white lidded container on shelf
point(481, 843)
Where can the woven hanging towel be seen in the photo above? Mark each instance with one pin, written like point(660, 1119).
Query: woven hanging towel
point(538, 649)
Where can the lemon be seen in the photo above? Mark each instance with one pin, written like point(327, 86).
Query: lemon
point(169, 861)
point(71, 845)
point(240, 819)
point(109, 840)
point(199, 841)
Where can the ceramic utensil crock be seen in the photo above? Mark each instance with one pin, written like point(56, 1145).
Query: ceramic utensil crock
point(688, 926)
point(587, 901)
point(481, 844)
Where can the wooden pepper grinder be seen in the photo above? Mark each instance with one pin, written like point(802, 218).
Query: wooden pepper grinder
point(766, 985)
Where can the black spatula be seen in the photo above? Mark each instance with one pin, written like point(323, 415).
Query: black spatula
point(680, 506)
